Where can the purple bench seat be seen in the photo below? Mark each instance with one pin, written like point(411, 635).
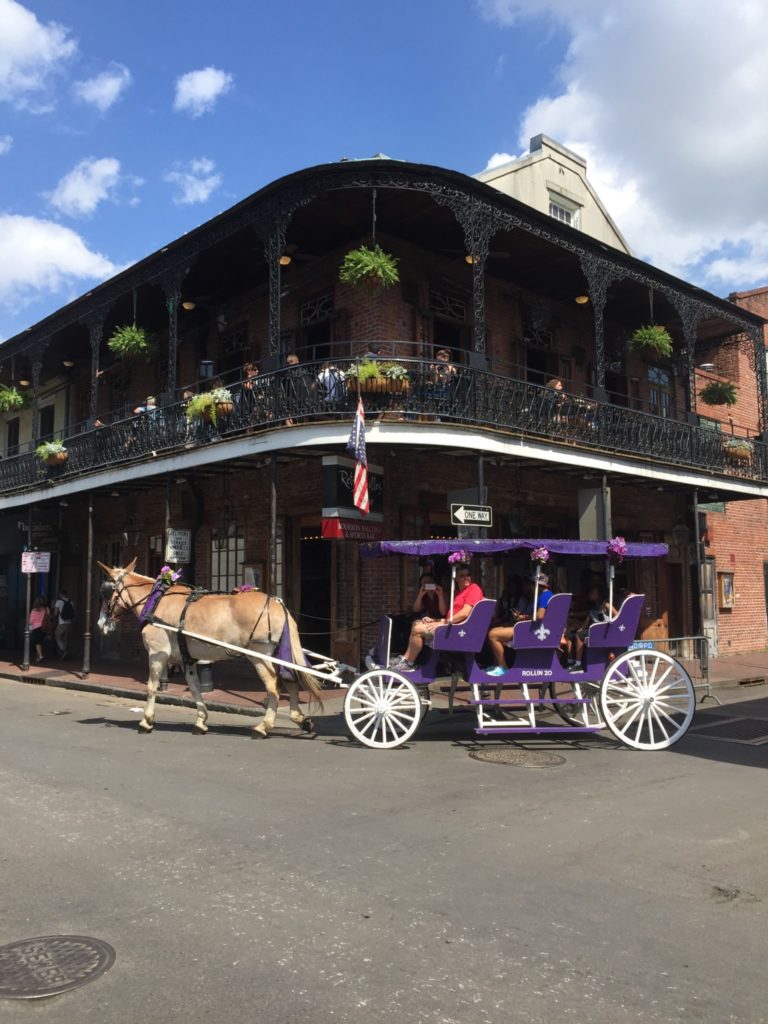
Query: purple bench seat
point(548, 631)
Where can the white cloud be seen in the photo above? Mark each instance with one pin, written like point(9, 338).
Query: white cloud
point(88, 183)
point(103, 89)
point(666, 102)
point(6, 142)
point(30, 54)
point(498, 160)
point(195, 181)
point(197, 91)
point(41, 257)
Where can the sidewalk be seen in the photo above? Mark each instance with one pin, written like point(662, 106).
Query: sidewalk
point(239, 690)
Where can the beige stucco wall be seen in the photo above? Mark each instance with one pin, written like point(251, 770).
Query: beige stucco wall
point(550, 169)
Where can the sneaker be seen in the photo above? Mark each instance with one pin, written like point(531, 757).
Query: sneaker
point(497, 670)
point(401, 665)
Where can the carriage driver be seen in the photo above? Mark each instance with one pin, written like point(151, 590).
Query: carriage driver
point(422, 632)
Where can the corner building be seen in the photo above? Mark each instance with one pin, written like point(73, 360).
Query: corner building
point(516, 296)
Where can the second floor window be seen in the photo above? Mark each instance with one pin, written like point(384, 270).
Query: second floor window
point(660, 391)
point(46, 423)
point(564, 210)
point(12, 437)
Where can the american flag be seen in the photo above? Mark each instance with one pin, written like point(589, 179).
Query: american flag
point(356, 445)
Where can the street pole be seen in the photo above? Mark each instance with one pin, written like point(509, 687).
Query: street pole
point(25, 657)
point(88, 583)
point(272, 583)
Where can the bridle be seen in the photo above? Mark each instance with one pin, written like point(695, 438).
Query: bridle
point(114, 596)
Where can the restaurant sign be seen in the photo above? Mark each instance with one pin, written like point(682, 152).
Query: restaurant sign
point(341, 520)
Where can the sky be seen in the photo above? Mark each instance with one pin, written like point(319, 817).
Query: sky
point(122, 126)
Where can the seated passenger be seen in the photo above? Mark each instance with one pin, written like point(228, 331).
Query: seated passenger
point(430, 601)
point(599, 610)
point(501, 635)
point(422, 632)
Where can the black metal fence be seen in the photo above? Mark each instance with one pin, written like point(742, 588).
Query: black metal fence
point(428, 393)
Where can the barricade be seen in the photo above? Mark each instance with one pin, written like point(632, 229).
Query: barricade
point(693, 654)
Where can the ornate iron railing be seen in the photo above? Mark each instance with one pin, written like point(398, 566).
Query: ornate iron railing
point(315, 392)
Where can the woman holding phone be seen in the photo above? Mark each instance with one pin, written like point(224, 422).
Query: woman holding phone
point(430, 600)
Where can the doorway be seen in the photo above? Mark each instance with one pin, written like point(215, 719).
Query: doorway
point(314, 589)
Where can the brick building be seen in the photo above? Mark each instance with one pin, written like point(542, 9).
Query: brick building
point(518, 298)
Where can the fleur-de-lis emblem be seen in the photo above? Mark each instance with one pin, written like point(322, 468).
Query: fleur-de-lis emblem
point(462, 632)
point(622, 628)
point(542, 632)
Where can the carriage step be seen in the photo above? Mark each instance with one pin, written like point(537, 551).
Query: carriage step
point(531, 700)
point(491, 730)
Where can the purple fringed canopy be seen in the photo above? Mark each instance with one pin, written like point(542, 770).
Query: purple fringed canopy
point(590, 548)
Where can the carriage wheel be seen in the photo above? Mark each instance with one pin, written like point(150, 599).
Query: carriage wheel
point(647, 700)
point(578, 715)
point(382, 709)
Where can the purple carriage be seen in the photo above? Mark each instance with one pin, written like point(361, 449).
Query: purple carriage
point(643, 696)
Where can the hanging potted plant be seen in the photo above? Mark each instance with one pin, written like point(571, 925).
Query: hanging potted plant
point(10, 398)
point(654, 339)
point(369, 268)
point(52, 453)
point(131, 342)
point(738, 448)
point(719, 392)
point(210, 406)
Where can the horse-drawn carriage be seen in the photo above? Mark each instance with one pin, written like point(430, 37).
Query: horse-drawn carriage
point(642, 696)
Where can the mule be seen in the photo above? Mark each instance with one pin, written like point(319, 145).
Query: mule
point(251, 620)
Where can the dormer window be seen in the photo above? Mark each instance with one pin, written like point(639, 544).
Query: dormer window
point(564, 210)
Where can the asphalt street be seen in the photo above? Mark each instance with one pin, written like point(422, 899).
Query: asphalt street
point(310, 880)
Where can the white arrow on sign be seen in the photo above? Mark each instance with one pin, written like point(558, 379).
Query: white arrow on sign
point(461, 514)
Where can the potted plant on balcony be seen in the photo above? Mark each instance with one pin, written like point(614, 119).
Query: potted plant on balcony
point(10, 398)
point(719, 392)
point(738, 448)
point(380, 377)
point(369, 268)
point(210, 406)
point(653, 339)
point(131, 342)
point(52, 453)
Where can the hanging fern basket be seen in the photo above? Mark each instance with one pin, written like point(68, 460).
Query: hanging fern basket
point(11, 399)
point(653, 339)
point(131, 342)
point(372, 269)
point(719, 392)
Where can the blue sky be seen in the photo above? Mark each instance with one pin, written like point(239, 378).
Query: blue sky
point(124, 125)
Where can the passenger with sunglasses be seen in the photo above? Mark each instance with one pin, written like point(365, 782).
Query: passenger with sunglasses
point(423, 631)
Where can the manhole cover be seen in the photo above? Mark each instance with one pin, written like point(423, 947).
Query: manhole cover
point(519, 758)
point(51, 964)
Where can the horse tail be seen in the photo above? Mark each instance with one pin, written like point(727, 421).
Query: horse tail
point(309, 682)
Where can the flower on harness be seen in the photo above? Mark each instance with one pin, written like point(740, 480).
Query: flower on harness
point(169, 576)
point(617, 548)
point(540, 555)
point(458, 556)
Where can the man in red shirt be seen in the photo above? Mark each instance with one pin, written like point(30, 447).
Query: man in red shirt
point(422, 632)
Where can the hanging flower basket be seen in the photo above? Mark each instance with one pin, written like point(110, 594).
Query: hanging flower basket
point(719, 392)
point(653, 339)
point(131, 342)
point(52, 453)
point(378, 377)
point(739, 448)
point(211, 406)
point(10, 399)
point(372, 269)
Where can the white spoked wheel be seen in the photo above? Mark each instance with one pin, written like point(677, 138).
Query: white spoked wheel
point(579, 715)
point(382, 709)
point(647, 700)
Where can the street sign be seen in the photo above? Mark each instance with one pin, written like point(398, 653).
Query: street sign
point(178, 546)
point(35, 561)
point(471, 515)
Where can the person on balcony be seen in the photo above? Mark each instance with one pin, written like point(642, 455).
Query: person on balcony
point(423, 631)
point(441, 381)
point(330, 385)
point(296, 385)
point(247, 396)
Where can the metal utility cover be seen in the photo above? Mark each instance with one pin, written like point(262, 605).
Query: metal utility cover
point(51, 964)
point(518, 758)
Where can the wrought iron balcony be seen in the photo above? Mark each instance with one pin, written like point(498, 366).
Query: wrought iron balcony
point(313, 392)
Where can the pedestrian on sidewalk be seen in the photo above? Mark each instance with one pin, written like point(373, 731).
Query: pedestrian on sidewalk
point(64, 615)
point(39, 625)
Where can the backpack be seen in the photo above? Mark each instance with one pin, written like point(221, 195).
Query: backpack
point(67, 611)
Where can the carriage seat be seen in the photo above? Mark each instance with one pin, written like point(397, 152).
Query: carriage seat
point(546, 633)
point(622, 631)
point(466, 637)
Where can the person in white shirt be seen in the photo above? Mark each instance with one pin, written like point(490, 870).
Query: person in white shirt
point(64, 613)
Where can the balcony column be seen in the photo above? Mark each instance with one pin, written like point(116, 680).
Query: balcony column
point(691, 315)
point(95, 323)
point(172, 288)
point(36, 367)
point(599, 275)
point(274, 244)
point(761, 375)
point(479, 223)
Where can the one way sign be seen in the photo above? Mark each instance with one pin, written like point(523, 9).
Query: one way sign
point(471, 515)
